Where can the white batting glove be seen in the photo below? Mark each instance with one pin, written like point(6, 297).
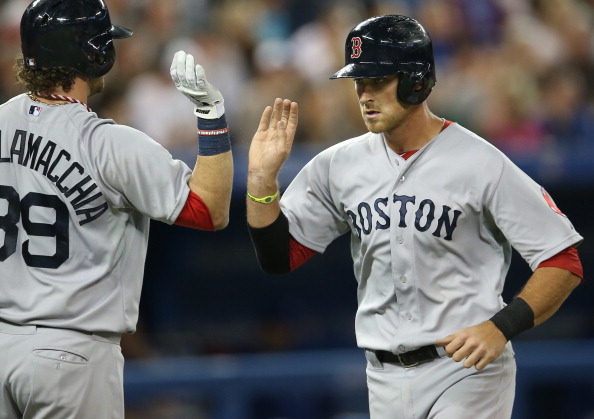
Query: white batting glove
point(190, 79)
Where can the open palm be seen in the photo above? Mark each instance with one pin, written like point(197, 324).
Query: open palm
point(272, 142)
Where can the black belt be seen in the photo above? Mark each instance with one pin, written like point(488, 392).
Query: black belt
point(409, 359)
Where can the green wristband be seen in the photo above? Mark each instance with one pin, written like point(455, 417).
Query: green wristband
point(266, 200)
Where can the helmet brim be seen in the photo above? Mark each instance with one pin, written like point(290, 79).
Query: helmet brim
point(119, 32)
point(365, 70)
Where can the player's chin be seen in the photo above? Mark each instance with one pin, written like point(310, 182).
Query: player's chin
point(374, 127)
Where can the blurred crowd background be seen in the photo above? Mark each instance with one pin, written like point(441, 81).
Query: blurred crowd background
point(520, 73)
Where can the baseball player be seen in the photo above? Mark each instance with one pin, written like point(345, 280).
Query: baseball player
point(433, 211)
point(77, 193)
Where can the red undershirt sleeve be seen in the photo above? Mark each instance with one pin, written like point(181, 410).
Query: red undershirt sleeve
point(567, 259)
point(195, 214)
point(298, 254)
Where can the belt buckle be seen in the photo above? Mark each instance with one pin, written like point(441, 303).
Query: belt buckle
point(405, 364)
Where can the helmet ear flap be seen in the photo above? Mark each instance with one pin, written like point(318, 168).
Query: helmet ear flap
point(408, 89)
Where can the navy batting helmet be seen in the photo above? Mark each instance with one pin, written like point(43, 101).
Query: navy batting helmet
point(75, 34)
point(391, 44)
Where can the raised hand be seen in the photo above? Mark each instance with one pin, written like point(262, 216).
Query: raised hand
point(272, 142)
point(190, 79)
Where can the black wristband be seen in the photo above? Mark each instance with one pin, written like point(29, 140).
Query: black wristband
point(514, 318)
point(272, 245)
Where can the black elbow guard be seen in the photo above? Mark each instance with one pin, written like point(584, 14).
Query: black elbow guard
point(272, 245)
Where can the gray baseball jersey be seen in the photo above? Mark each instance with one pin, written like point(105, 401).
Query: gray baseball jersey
point(76, 196)
point(431, 236)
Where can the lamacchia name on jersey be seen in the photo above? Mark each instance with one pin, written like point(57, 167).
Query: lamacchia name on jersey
point(46, 157)
point(441, 221)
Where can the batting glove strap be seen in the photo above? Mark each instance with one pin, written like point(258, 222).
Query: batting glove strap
point(514, 318)
point(206, 111)
point(213, 136)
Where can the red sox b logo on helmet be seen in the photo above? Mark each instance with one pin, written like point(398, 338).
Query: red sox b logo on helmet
point(356, 47)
